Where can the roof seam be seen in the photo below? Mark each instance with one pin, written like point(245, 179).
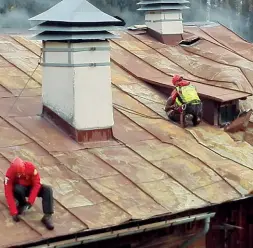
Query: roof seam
point(70, 212)
point(169, 175)
point(181, 67)
point(186, 151)
point(228, 48)
point(251, 84)
point(51, 156)
point(167, 74)
point(28, 48)
point(1, 55)
point(142, 190)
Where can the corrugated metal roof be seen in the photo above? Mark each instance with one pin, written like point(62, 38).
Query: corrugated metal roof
point(73, 36)
point(153, 167)
point(75, 11)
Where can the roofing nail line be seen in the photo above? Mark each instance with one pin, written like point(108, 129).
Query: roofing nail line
point(188, 152)
point(157, 50)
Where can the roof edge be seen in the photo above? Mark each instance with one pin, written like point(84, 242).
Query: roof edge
point(85, 237)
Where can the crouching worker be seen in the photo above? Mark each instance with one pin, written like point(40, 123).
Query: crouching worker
point(184, 98)
point(22, 181)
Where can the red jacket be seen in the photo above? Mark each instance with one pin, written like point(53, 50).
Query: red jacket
point(174, 93)
point(30, 178)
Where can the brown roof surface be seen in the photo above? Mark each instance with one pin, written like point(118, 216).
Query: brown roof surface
point(152, 167)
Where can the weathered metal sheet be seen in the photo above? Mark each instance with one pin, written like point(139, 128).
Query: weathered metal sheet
point(20, 107)
point(148, 73)
point(32, 46)
point(218, 192)
point(200, 33)
point(189, 171)
point(10, 136)
point(85, 164)
point(172, 195)
point(125, 194)
point(12, 233)
point(110, 184)
point(101, 215)
point(127, 131)
point(230, 40)
point(223, 144)
point(47, 135)
point(130, 164)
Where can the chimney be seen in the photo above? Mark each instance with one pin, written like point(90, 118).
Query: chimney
point(76, 83)
point(163, 19)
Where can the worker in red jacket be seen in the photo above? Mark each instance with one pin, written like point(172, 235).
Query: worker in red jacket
point(184, 97)
point(22, 181)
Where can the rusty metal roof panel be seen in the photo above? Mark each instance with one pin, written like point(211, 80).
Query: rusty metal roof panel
point(150, 74)
point(152, 168)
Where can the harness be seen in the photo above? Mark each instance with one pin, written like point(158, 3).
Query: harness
point(187, 95)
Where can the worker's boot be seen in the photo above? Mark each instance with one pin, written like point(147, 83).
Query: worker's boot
point(48, 222)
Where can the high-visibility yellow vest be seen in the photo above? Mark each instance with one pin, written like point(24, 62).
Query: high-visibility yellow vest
point(187, 94)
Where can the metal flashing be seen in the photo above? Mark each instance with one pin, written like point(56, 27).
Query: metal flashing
point(72, 49)
point(162, 2)
point(53, 36)
point(163, 7)
point(164, 20)
point(75, 65)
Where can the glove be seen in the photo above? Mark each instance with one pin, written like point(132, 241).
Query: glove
point(16, 218)
point(26, 207)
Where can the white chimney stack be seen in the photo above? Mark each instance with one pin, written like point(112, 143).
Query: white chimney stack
point(164, 16)
point(76, 84)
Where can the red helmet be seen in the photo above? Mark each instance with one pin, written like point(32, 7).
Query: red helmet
point(19, 166)
point(176, 79)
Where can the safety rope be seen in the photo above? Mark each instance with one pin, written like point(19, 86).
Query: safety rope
point(18, 97)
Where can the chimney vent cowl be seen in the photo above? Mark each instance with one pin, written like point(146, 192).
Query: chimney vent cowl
point(76, 73)
point(164, 16)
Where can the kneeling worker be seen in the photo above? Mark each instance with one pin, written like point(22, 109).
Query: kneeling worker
point(23, 180)
point(184, 98)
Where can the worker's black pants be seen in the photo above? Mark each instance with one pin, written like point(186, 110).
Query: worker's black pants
point(46, 193)
point(194, 109)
